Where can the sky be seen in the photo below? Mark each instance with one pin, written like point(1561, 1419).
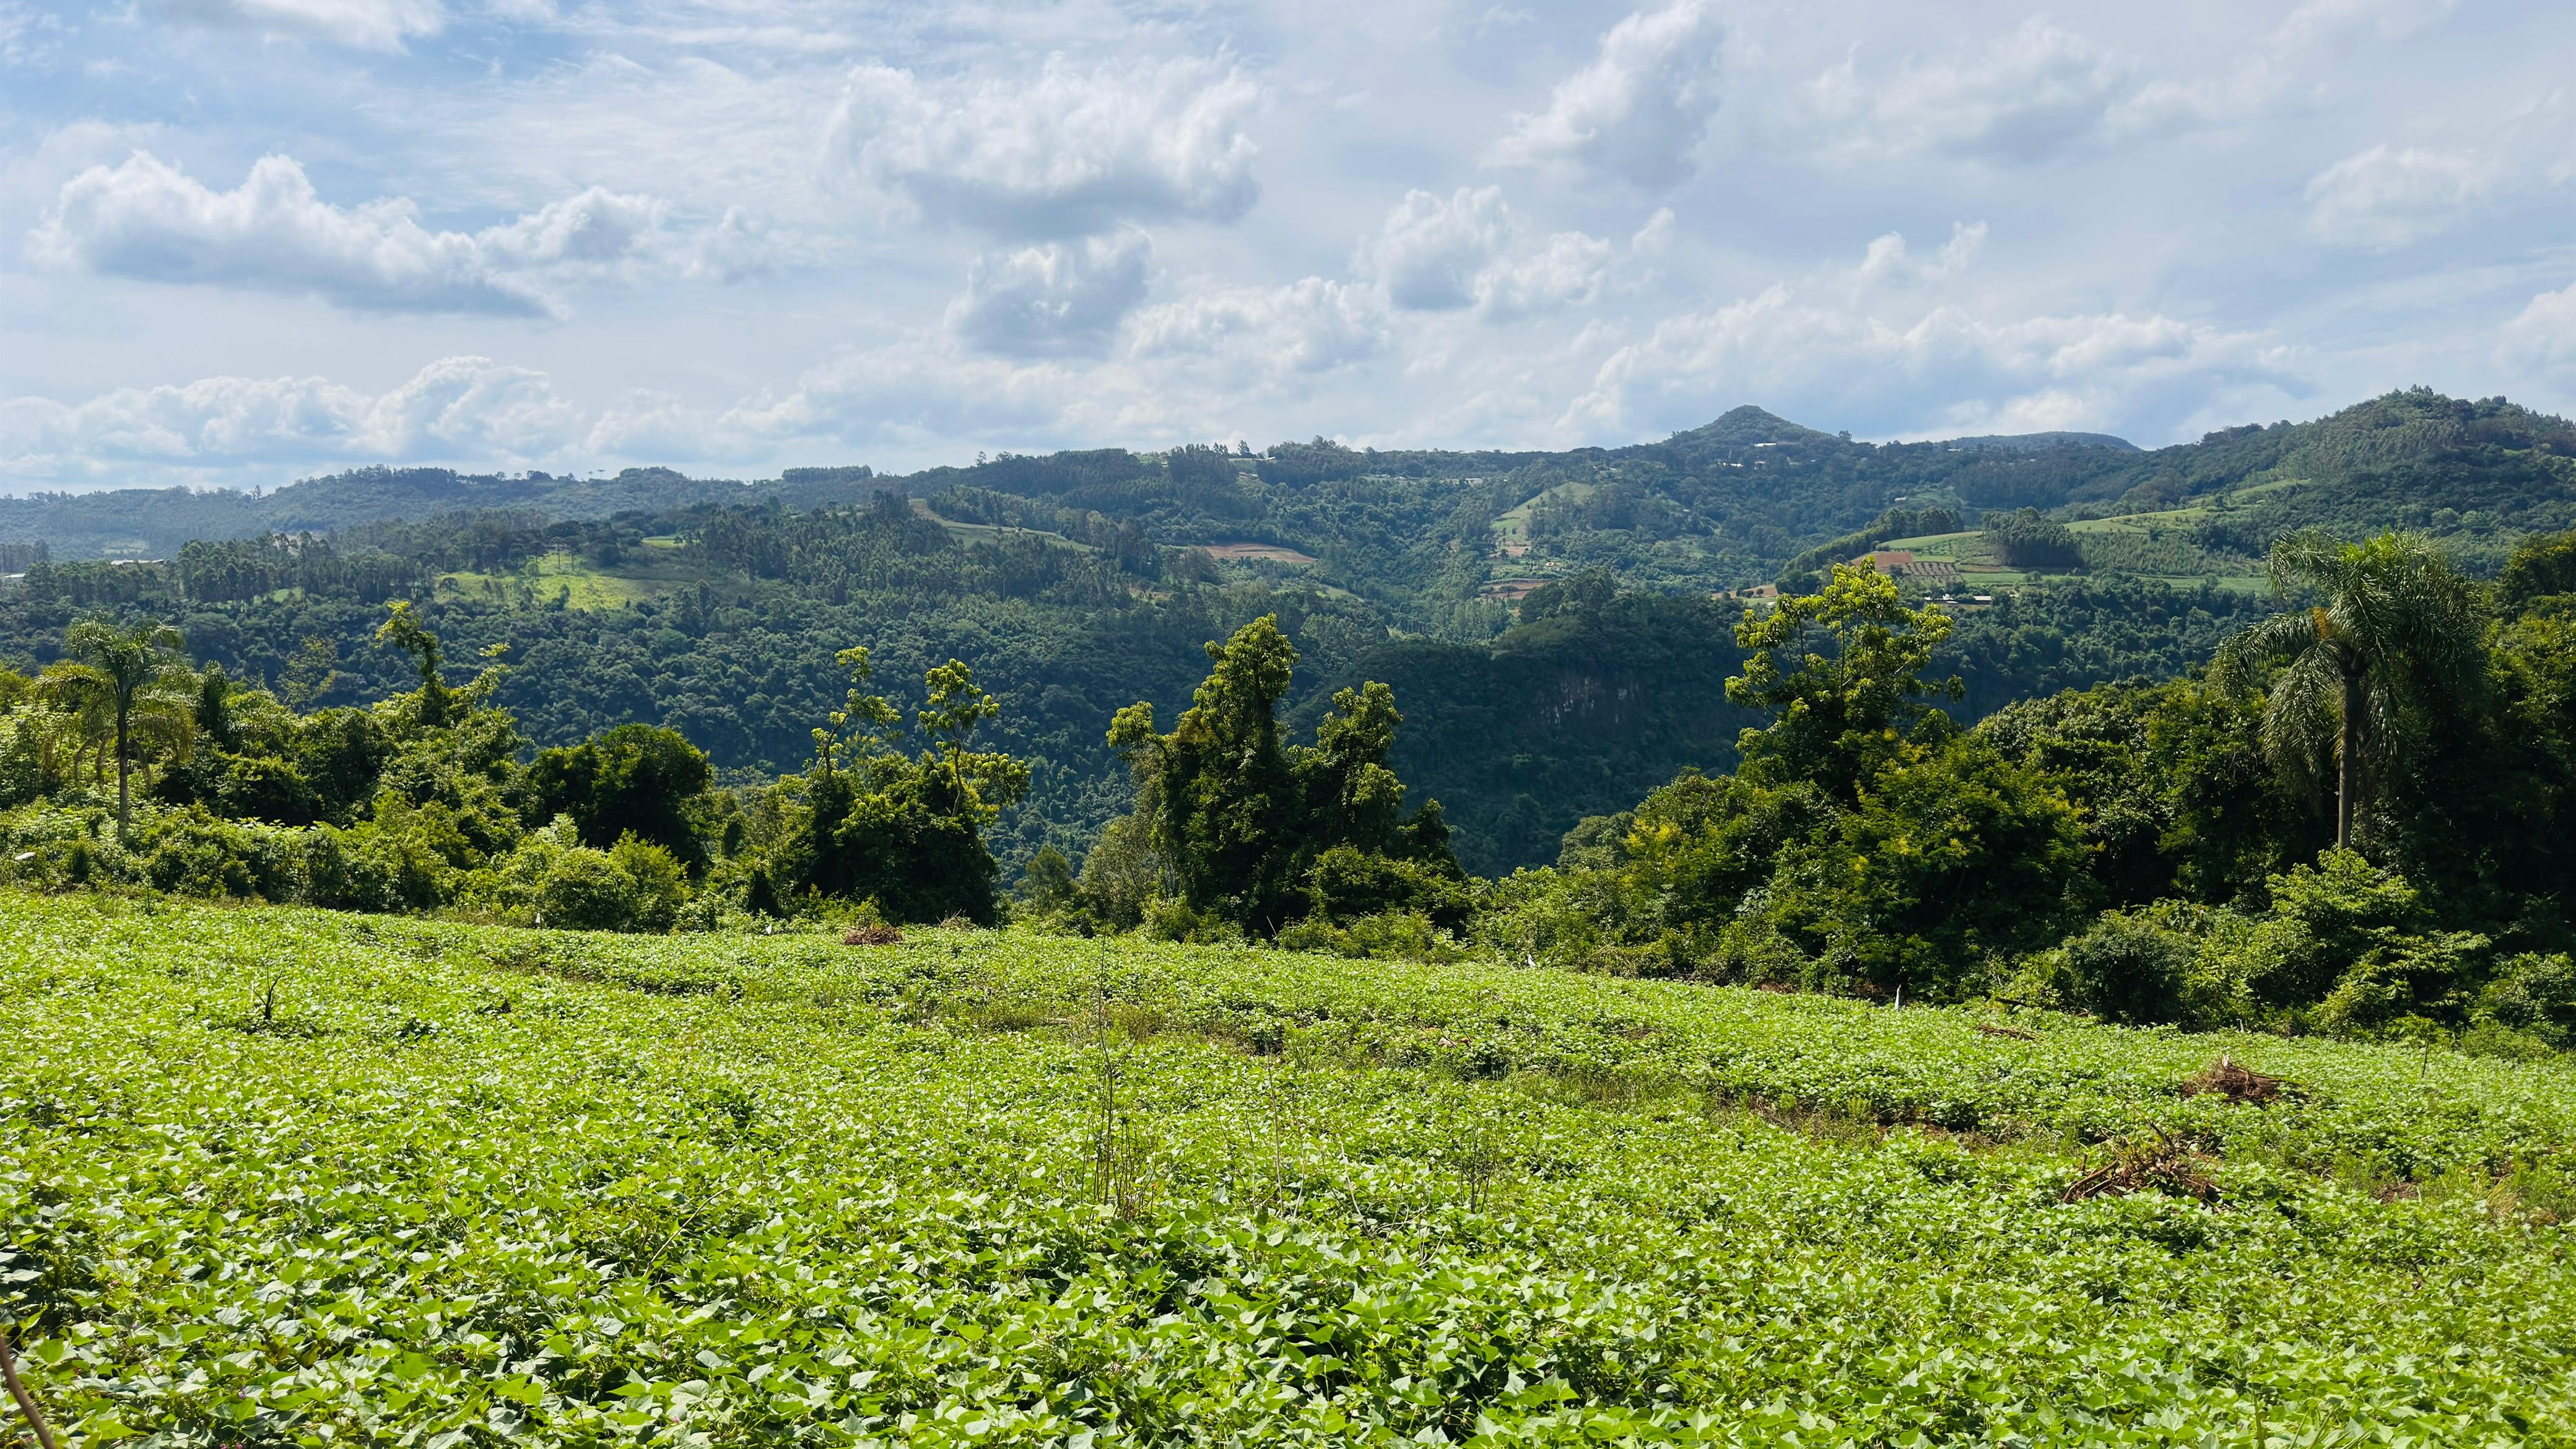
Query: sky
point(246, 241)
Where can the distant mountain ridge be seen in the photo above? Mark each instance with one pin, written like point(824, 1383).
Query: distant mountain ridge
point(1761, 484)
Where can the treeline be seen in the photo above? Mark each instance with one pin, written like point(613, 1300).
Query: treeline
point(2361, 817)
point(1590, 696)
point(124, 767)
point(2357, 815)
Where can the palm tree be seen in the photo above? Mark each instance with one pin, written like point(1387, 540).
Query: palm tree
point(2395, 639)
point(135, 677)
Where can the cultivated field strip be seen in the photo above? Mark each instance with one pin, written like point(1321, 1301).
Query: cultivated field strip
point(290, 1177)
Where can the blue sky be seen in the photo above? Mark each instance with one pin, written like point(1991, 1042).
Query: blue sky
point(244, 241)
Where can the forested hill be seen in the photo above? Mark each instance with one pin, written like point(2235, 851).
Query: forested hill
point(1545, 618)
point(1431, 532)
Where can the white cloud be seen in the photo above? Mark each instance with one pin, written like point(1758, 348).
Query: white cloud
point(1469, 249)
point(2386, 19)
point(1940, 361)
point(2386, 198)
point(1639, 111)
point(27, 37)
point(906, 392)
point(2542, 337)
point(1056, 299)
point(150, 221)
point(1887, 259)
point(2034, 93)
point(362, 24)
point(1308, 326)
point(464, 408)
point(1071, 153)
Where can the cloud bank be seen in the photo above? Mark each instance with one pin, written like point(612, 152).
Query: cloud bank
point(149, 221)
point(1071, 152)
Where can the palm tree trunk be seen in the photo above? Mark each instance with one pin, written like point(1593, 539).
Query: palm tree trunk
point(124, 797)
point(2348, 763)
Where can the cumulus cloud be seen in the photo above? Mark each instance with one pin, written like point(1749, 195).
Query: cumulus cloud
point(148, 220)
point(1887, 259)
point(1639, 111)
point(2543, 336)
point(360, 24)
point(908, 392)
point(467, 408)
point(1942, 361)
point(2034, 93)
point(1469, 249)
point(1308, 326)
point(1057, 299)
point(1071, 153)
point(2386, 198)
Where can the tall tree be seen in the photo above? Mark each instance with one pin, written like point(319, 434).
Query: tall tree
point(403, 630)
point(1245, 821)
point(2391, 644)
point(136, 675)
point(1841, 672)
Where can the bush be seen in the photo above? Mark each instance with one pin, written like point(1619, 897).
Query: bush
point(192, 853)
point(1348, 885)
point(2402, 982)
point(657, 884)
point(1168, 919)
point(1954, 858)
point(2324, 920)
point(555, 881)
point(2495, 1039)
point(1390, 935)
point(2534, 995)
point(2130, 969)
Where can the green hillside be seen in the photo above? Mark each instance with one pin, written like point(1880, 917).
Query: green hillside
point(1079, 582)
point(293, 1177)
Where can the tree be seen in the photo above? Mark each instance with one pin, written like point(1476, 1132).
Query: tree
point(2394, 644)
point(403, 630)
point(635, 779)
point(1224, 805)
point(906, 833)
point(136, 676)
point(2539, 568)
point(1243, 821)
point(1840, 713)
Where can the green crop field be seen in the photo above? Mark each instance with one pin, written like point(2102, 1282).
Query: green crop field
point(582, 585)
point(284, 1177)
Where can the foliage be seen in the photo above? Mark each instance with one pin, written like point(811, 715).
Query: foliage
point(634, 780)
point(1262, 833)
point(2390, 654)
point(2025, 540)
point(1840, 714)
point(904, 833)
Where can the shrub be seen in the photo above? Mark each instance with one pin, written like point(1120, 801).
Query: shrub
point(1954, 856)
point(550, 878)
point(2403, 981)
point(2535, 995)
point(657, 884)
point(1347, 884)
point(192, 853)
point(1390, 935)
point(1167, 919)
point(2129, 968)
point(2324, 920)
